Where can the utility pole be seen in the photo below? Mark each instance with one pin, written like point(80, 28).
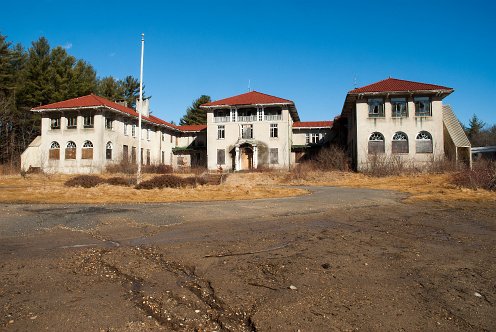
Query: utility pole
point(140, 108)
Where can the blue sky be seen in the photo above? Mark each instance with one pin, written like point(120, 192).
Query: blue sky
point(308, 51)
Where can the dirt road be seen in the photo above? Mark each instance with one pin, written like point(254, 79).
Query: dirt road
point(338, 259)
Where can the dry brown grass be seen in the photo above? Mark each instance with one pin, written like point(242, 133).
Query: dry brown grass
point(422, 186)
point(40, 188)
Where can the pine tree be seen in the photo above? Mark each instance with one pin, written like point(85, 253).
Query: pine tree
point(195, 115)
point(108, 87)
point(474, 129)
point(130, 87)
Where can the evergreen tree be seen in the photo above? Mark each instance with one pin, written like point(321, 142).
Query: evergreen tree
point(474, 129)
point(130, 87)
point(83, 80)
point(108, 87)
point(195, 115)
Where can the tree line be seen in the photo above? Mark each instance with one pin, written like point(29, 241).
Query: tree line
point(479, 133)
point(42, 75)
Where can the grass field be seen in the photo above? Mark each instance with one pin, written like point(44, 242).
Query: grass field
point(40, 188)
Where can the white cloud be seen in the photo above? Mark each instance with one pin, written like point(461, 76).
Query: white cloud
point(67, 45)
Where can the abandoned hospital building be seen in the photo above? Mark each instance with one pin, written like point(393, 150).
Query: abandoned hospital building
point(391, 118)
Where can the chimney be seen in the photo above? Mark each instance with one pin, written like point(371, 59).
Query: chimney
point(146, 107)
point(121, 102)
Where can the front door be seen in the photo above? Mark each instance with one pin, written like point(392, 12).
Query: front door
point(246, 159)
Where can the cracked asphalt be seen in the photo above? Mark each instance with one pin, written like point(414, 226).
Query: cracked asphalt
point(338, 259)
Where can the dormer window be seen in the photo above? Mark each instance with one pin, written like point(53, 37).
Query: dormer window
point(399, 108)
point(422, 106)
point(376, 108)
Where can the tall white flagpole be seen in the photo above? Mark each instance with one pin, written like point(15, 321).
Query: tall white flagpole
point(140, 108)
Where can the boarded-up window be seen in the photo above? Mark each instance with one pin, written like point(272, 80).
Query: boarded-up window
point(87, 151)
point(181, 161)
point(274, 156)
point(148, 156)
point(70, 150)
point(400, 143)
point(423, 142)
point(125, 153)
point(376, 143)
point(133, 155)
point(108, 151)
point(221, 157)
point(54, 152)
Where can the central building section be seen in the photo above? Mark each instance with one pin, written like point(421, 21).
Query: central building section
point(249, 131)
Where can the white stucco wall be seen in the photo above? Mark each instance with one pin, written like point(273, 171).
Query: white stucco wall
point(261, 137)
point(99, 136)
point(388, 126)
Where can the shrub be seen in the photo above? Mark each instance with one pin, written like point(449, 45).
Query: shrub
point(482, 175)
point(170, 181)
point(331, 158)
point(121, 181)
point(85, 181)
point(157, 169)
point(123, 167)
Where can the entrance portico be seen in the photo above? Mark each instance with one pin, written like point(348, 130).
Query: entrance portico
point(245, 156)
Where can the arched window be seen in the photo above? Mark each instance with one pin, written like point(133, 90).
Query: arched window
point(108, 151)
point(54, 152)
point(376, 143)
point(70, 150)
point(400, 142)
point(423, 142)
point(87, 152)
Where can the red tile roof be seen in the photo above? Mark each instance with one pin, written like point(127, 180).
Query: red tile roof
point(393, 85)
point(192, 127)
point(312, 124)
point(97, 101)
point(249, 98)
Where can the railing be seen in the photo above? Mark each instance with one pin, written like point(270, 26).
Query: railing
point(247, 118)
point(221, 119)
point(275, 117)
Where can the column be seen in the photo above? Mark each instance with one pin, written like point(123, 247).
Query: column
point(255, 157)
point(236, 159)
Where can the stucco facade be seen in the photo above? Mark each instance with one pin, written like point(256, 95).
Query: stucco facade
point(87, 139)
point(395, 121)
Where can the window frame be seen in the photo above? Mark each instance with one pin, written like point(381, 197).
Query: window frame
point(108, 150)
point(54, 151)
point(87, 150)
point(54, 123)
point(274, 130)
point(70, 120)
point(247, 131)
point(375, 138)
point(422, 142)
point(397, 145)
point(399, 101)
point(88, 121)
point(274, 157)
point(417, 100)
point(372, 103)
point(221, 132)
point(221, 161)
point(70, 150)
point(109, 123)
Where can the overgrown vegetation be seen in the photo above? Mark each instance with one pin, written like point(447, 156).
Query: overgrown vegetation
point(84, 181)
point(171, 181)
point(481, 176)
